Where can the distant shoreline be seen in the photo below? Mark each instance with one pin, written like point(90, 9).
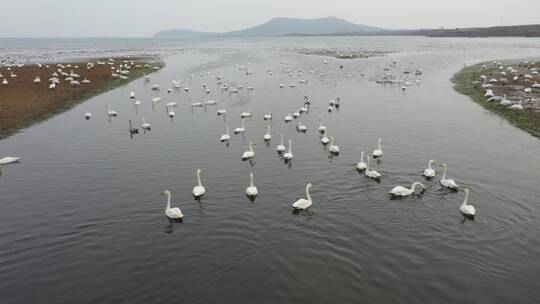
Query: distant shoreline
point(24, 103)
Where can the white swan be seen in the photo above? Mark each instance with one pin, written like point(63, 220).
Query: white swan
point(111, 112)
point(518, 106)
point(288, 155)
point(301, 127)
point(246, 114)
point(402, 191)
point(268, 116)
point(296, 114)
point(145, 125)
point(226, 136)
point(221, 112)
point(333, 148)
point(251, 191)
point(199, 190)
point(132, 94)
point(281, 148)
point(241, 129)
point(378, 152)
point(288, 118)
point(267, 136)
point(429, 171)
point(210, 102)
point(325, 140)
point(302, 203)
point(465, 208)
point(361, 166)
point(87, 115)
point(249, 153)
point(322, 128)
point(171, 113)
point(9, 160)
point(172, 213)
point(371, 173)
point(449, 183)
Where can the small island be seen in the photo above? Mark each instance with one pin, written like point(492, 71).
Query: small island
point(36, 92)
point(511, 89)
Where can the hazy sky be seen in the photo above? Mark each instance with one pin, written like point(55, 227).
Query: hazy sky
point(139, 18)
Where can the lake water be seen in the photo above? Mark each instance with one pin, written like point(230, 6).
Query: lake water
point(82, 219)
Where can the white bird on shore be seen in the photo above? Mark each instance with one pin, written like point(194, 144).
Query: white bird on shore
point(249, 153)
point(5, 82)
point(302, 204)
point(267, 136)
point(361, 166)
point(465, 208)
point(251, 191)
point(402, 191)
point(9, 160)
point(281, 148)
point(429, 171)
point(87, 115)
point(172, 213)
point(241, 129)
point(288, 155)
point(86, 81)
point(371, 173)
point(448, 183)
point(322, 128)
point(111, 112)
point(37, 80)
point(334, 149)
point(226, 136)
point(518, 106)
point(378, 152)
point(145, 125)
point(52, 86)
point(199, 190)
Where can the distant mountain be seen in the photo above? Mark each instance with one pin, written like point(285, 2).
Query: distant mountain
point(294, 26)
point(182, 34)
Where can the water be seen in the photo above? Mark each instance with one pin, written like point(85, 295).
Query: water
point(81, 217)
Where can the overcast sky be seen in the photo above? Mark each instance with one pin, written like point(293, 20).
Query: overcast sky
point(140, 18)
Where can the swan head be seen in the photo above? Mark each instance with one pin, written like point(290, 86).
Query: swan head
point(308, 186)
point(166, 192)
point(444, 166)
point(466, 190)
point(199, 171)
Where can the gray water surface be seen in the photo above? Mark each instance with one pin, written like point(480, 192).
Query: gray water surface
point(82, 219)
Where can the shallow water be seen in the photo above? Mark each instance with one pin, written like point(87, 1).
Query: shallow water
point(81, 218)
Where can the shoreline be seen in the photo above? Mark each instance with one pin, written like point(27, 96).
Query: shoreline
point(24, 103)
point(468, 81)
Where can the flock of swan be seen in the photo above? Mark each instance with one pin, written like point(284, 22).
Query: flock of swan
point(286, 152)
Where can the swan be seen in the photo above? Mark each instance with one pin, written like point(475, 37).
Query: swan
point(329, 108)
point(249, 153)
point(361, 166)
point(172, 213)
point(156, 99)
point(378, 152)
point(210, 102)
point(199, 190)
point(402, 191)
point(281, 148)
point(333, 148)
point(288, 118)
point(111, 112)
point(448, 183)
point(371, 173)
point(325, 140)
point(197, 105)
point(300, 127)
point(251, 191)
point(226, 136)
point(221, 112)
point(429, 171)
point(37, 80)
point(171, 112)
point(517, 106)
point(288, 155)
point(155, 87)
point(466, 208)
point(171, 104)
point(322, 128)
point(268, 116)
point(302, 203)
point(241, 129)
point(281, 85)
point(9, 160)
point(267, 136)
point(246, 114)
point(145, 125)
point(296, 114)
point(87, 115)
point(86, 81)
point(304, 109)
point(132, 94)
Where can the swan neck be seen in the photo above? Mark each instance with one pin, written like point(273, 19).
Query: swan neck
point(281, 143)
point(227, 127)
point(379, 145)
point(199, 178)
point(444, 173)
point(466, 200)
point(362, 157)
point(307, 193)
point(429, 165)
point(251, 180)
point(168, 200)
point(290, 145)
